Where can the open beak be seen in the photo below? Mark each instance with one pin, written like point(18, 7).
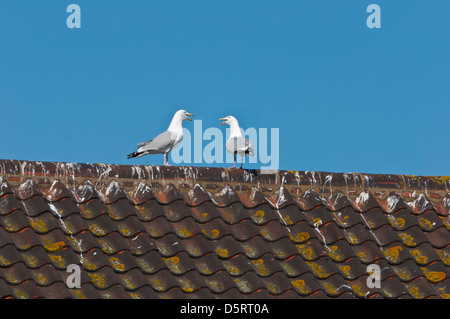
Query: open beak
point(222, 119)
point(189, 115)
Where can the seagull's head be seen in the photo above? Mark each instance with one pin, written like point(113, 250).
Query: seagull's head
point(228, 120)
point(184, 115)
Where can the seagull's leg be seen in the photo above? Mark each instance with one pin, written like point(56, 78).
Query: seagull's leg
point(234, 165)
point(166, 160)
point(242, 161)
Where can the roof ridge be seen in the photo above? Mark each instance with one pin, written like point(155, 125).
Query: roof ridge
point(213, 179)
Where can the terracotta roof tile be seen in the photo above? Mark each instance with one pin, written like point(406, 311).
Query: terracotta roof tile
point(192, 232)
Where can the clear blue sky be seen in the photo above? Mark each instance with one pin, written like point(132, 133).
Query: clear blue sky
point(345, 98)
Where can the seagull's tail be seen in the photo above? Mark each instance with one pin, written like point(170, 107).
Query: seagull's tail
point(135, 154)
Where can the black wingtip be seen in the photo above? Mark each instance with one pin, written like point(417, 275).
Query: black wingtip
point(134, 154)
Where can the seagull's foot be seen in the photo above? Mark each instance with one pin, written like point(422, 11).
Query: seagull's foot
point(167, 165)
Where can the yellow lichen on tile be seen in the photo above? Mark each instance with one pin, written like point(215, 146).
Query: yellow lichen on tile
point(371, 224)
point(421, 259)
point(38, 225)
point(4, 261)
point(243, 285)
point(386, 292)
point(159, 285)
point(279, 253)
point(444, 255)
point(249, 250)
point(11, 278)
point(89, 265)
point(98, 279)
point(403, 273)
point(78, 294)
point(96, 230)
point(414, 291)
point(145, 266)
point(203, 268)
point(397, 223)
point(407, 239)
point(261, 269)
point(128, 281)
point(186, 284)
point(446, 222)
point(259, 216)
point(193, 251)
point(215, 286)
point(442, 180)
point(9, 226)
point(215, 233)
point(41, 279)
point(358, 291)
point(20, 294)
point(58, 260)
point(106, 247)
point(362, 255)
point(184, 233)
point(351, 238)
point(266, 235)
point(86, 213)
point(425, 223)
point(287, 220)
point(144, 212)
point(30, 260)
point(330, 288)
point(153, 232)
point(222, 252)
point(174, 264)
point(345, 270)
point(392, 253)
point(125, 230)
point(273, 288)
point(288, 269)
point(116, 264)
point(433, 276)
point(333, 253)
point(231, 268)
point(443, 293)
point(299, 237)
point(53, 247)
point(300, 286)
point(317, 270)
point(212, 234)
point(306, 251)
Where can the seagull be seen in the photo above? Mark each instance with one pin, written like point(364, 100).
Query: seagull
point(236, 143)
point(165, 141)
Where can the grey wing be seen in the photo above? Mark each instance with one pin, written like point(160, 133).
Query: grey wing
point(239, 145)
point(161, 142)
point(143, 143)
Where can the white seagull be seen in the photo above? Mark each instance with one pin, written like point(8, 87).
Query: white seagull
point(237, 144)
point(165, 141)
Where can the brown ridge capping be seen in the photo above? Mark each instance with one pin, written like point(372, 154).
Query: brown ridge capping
point(213, 179)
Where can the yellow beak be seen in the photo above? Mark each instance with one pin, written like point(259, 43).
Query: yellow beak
point(189, 115)
point(222, 119)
